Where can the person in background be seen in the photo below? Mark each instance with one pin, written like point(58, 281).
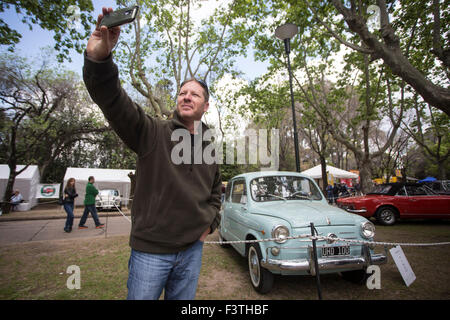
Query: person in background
point(70, 193)
point(330, 193)
point(16, 199)
point(89, 205)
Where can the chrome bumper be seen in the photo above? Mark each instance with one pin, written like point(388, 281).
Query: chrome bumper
point(356, 211)
point(331, 263)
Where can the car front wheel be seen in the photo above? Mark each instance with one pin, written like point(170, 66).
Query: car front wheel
point(386, 216)
point(261, 279)
point(221, 240)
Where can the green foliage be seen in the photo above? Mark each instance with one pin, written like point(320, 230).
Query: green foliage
point(54, 16)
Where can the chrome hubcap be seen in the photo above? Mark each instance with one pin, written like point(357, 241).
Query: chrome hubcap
point(386, 215)
point(253, 265)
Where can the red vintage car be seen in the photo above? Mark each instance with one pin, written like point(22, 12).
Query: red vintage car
point(393, 201)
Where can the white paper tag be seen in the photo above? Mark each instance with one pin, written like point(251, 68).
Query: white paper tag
point(403, 265)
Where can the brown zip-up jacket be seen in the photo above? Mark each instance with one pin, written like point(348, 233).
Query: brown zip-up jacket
point(173, 203)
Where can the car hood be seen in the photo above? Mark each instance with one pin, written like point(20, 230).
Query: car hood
point(361, 198)
point(301, 214)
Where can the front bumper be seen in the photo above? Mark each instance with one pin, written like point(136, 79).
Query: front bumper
point(328, 263)
point(356, 211)
point(107, 204)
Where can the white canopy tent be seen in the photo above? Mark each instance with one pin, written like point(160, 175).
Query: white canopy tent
point(316, 173)
point(26, 182)
point(332, 172)
point(104, 179)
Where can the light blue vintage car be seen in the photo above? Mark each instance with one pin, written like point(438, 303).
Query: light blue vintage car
point(280, 205)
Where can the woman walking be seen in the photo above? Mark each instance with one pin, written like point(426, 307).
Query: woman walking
point(70, 194)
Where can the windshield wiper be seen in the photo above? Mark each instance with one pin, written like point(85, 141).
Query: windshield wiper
point(301, 195)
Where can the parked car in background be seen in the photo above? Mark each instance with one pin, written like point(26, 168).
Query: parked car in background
point(108, 199)
point(277, 205)
point(392, 201)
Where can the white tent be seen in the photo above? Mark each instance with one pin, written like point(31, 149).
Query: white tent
point(316, 173)
point(26, 182)
point(104, 179)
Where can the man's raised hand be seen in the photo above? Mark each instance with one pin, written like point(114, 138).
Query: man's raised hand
point(102, 40)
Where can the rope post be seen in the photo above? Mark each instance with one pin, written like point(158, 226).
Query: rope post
point(316, 262)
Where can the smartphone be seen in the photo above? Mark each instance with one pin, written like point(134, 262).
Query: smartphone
point(120, 17)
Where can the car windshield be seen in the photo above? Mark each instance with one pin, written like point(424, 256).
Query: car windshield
point(381, 189)
point(279, 188)
point(106, 193)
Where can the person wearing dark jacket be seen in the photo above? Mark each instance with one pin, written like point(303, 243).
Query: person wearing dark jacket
point(70, 193)
point(176, 205)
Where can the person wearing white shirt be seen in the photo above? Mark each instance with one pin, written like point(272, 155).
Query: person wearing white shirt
point(16, 199)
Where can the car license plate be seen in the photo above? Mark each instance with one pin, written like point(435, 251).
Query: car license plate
point(335, 251)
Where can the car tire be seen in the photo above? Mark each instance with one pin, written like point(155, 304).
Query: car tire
point(260, 278)
point(222, 239)
point(386, 216)
point(355, 276)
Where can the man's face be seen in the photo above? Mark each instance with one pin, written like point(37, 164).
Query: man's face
point(191, 103)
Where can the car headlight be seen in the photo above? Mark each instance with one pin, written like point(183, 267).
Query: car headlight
point(280, 232)
point(367, 230)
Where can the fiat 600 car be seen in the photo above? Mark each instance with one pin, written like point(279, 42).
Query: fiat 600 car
point(281, 206)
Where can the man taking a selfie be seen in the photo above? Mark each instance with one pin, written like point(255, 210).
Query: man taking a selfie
point(175, 205)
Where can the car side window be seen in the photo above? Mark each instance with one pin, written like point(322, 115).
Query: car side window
point(239, 192)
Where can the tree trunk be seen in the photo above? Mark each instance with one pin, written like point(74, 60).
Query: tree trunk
point(6, 206)
point(442, 172)
point(323, 164)
point(365, 173)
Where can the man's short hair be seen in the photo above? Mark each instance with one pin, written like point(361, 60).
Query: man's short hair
point(90, 178)
point(200, 82)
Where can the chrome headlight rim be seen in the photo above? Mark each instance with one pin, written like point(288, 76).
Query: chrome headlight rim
point(367, 230)
point(280, 232)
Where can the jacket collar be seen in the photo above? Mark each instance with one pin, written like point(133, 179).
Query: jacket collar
point(176, 122)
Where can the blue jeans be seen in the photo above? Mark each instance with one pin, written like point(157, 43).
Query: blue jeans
point(93, 211)
point(176, 273)
point(68, 206)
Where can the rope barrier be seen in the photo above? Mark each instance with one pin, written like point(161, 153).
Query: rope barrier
point(318, 238)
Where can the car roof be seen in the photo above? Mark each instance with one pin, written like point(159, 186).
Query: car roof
point(396, 186)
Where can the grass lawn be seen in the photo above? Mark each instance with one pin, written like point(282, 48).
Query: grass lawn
point(37, 270)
